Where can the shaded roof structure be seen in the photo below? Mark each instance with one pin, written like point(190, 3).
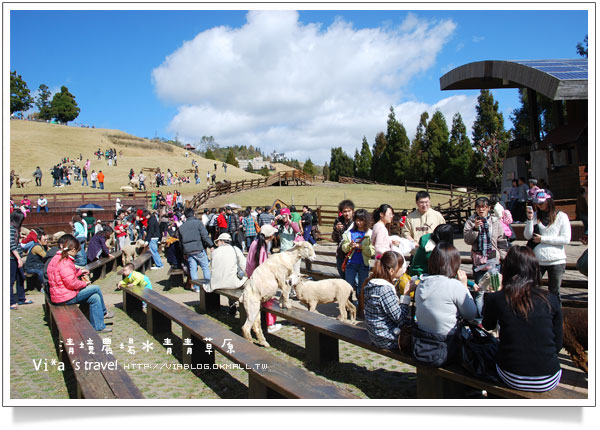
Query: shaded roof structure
point(555, 79)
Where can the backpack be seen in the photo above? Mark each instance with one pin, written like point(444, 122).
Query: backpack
point(212, 220)
point(315, 218)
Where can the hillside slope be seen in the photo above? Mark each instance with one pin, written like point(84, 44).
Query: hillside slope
point(39, 144)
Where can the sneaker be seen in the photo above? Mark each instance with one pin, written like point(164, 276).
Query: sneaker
point(104, 330)
point(109, 314)
point(155, 268)
point(273, 328)
point(26, 302)
point(195, 289)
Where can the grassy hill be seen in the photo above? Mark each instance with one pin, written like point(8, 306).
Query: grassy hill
point(39, 144)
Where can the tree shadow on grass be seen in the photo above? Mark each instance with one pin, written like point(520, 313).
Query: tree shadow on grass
point(219, 381)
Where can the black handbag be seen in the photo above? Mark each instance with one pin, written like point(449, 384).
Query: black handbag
point(478, 351)
point(433, 349)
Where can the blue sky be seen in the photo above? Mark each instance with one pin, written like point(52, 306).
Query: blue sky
point(298, 83)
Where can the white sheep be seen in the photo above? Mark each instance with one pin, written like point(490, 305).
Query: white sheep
point(264, 283)
point(135, 182)
point(128, 252)
point(312, 293)
point(126, 188)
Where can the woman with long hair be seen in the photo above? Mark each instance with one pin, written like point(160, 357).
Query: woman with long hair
point(550, 231)
point(70, 285)
point(382, 216)
point(384, 315)
point(258, 254)
point(530, 323)
point(16, 263)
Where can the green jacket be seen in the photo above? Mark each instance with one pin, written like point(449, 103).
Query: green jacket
point(367, 249)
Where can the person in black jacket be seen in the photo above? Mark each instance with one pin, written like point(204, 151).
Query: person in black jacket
point(340, 225)
point(152, 237)
point(194, 239)
point(233, 226)
point(530, 323)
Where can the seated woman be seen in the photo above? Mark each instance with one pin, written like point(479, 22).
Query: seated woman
point(439, 300)
point(36, 258)
point(427, 243)
point(384, 315)
point(97, 245)
point(530, 322)
point(67, 286)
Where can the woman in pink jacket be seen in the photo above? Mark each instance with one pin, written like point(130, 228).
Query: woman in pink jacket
point(257, 254)
point(66, 287)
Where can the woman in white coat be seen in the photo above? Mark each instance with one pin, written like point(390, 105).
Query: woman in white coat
point(550, 231)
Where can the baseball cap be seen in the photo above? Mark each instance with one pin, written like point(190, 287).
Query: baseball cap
point(285, 211)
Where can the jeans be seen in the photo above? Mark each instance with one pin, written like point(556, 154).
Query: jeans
point(93, 184)
point(101, 185)
point(194, 260)
point(478, 295)
point(42, 207)
point(16, 274)
point(356, 272)
point(84, 181)
point(40, 274)
point(38, 182)
point(27, 246)
point(307, 236)
point(92, 295)
point(154, 251)
point(249, 240)
point(555, 275)
point(81, 257)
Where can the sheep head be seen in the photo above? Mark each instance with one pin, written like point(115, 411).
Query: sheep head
point(305, 250)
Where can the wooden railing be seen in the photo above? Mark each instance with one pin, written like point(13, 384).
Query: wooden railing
point(291, 177)
point(352, 180)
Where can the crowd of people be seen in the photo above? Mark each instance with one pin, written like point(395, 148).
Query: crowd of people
point(371, 260)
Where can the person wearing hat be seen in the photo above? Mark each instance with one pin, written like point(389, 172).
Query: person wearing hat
point(288, 230)
point(258, 254)
point(227, 266)
point(549, 230)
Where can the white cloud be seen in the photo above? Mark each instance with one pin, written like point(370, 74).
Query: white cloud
point(298, 88)
point(477, 39)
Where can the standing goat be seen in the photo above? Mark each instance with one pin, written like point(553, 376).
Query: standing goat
point(262, 286)
point(312, 293)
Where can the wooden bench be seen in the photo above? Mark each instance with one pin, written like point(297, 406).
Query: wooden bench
point(182, 277)
point(268, 376)
point(323, 333)
point(99, 267)
point(141, 263)
point(97, 374)
point(322, 336)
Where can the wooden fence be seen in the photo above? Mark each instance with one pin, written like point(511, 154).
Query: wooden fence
point(290, 177)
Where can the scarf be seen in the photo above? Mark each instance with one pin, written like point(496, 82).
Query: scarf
point(485, 241)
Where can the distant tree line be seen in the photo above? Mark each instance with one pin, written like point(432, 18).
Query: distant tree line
point(436, 154)
point(62, 108)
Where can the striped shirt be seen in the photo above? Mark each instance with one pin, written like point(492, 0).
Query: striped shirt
point(529, 383)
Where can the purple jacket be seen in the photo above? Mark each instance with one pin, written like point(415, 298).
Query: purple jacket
point(96, 246)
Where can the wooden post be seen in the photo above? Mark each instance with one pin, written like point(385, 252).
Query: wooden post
point(427, 185)
point(405, 186)
point(451, 192)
